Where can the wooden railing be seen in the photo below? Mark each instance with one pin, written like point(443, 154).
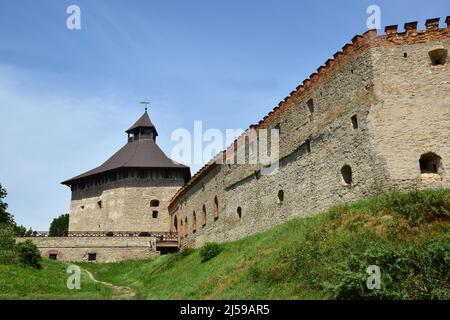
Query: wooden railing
point(160, 236)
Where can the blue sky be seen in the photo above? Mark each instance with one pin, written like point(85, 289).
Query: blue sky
point(66, 96)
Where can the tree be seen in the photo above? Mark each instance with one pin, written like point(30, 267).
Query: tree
point(5, 217)
point(7, 245)
point(59, 226)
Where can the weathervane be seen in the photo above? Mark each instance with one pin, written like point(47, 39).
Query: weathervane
point(146, 103)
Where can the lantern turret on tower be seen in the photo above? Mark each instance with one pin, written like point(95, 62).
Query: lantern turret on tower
point(142, 129)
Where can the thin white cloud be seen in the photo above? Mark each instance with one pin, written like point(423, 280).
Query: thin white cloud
point(48, 137)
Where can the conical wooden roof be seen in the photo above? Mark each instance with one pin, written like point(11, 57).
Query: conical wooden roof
point(142, 153)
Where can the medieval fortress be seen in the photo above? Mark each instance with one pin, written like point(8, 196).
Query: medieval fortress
point(375, 117)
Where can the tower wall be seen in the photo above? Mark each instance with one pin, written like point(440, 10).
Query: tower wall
point(412, 115)
point(125, 204)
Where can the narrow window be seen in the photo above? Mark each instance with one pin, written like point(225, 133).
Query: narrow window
point(239, 212)
point(310, 104)
point(346, 172)
point(438, 57)
point(216, 208)
point(154, 203)
point(355, 122)
point(53, 256)
point(186, 226)
point(308, 145)
point(204, 215)
point(278, 127)
point(99, 204)
point(430, 163)
point(280, 196)
point(175, 224)
point(405, 55)
point(155, 214)
point(194, 222)
point(92, 257)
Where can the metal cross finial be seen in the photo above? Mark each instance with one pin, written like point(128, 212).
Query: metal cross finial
point(146, 103)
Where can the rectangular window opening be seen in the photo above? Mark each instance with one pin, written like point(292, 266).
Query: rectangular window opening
point(355, 122)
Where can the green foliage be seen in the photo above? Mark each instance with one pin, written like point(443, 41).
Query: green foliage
point(209, 251)
point(186, 252)
point(415, 268)
point(7, 245)
point(5, 217)
point(411, 272)
point(59, 226)
point(29, 255)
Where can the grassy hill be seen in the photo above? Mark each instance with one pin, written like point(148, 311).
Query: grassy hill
point(322, 257)
point(47, 283)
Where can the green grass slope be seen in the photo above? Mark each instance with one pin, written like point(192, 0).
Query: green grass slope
point(18, 282)
point(322, 257)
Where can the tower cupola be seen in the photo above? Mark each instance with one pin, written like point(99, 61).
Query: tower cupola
point(143, 129)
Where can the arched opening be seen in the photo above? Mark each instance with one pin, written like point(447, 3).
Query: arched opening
point(216, 208)
point(430, 163)
point(204, 215)
point(239, 212)
point(310, 104)
point(154, 203)
point(181, 228)
point(280, 196)
point(186, 226)
point(175, 224)
point(438, 56)
point(347, 177)
point(194, 221)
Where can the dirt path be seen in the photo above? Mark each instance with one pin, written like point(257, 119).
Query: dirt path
point(118, 292)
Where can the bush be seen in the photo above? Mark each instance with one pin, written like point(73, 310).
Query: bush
point(185, 252)
point(209, 251)
point(29, 254)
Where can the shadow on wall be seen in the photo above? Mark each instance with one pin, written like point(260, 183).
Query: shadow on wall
point(95, 187)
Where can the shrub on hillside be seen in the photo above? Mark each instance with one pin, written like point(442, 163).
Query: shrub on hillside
point(418, 206)
point(209, 251)
point(186, 252)
point(29, 254)
point(413, 272)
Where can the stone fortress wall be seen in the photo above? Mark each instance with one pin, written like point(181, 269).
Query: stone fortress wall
point(101, 249)
point(376, 116)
